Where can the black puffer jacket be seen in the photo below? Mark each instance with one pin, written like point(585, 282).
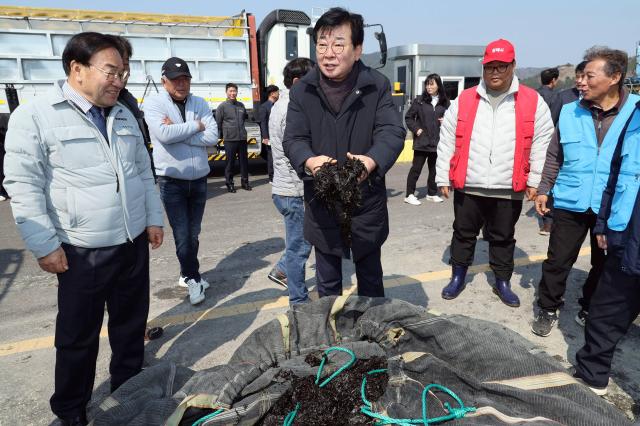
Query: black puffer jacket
point(422, 115)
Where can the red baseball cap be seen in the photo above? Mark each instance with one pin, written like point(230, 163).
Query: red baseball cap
point(499, 50)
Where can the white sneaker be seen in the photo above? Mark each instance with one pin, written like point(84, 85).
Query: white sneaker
point(205, 284)
point(411, 199)
point(182, 282)
point(2, 198)
point(434, 198)
point(196, 292)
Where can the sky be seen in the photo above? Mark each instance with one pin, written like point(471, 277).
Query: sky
point(544, 32)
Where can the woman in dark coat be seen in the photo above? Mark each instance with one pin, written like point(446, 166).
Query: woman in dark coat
point(423, 119)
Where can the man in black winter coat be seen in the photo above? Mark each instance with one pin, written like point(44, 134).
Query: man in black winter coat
point(343, 109)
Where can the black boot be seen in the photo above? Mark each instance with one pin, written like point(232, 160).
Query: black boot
point(80, 420)
point(457, 284)
point(231, 188)
point(504, 292)
point(246, 186)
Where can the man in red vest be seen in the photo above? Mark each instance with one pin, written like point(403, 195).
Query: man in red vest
point(493, 142)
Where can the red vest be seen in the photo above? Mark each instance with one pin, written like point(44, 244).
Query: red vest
point(468, 101)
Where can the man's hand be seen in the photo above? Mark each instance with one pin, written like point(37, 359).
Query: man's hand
point(444, 190)
point(418, 132)
point(265, 141)
point(201, 126)
point(155, 234)
point(167, 121)
point(369, 163)
point(55, 262)
point(314, 163)
point(602, 241)
point(541, 204)
point(530, 193)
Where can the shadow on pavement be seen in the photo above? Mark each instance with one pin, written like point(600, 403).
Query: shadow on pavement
point(10, 263)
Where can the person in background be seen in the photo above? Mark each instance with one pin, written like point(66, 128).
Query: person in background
point(230, 116)
point(569, 95)
point(127, 99)
point(287, 193)
point(86, 205)
point(492, 145)
point(273, 93)
point(549, 80)
point(576, 171)
point(423, 119)
point(182, 127)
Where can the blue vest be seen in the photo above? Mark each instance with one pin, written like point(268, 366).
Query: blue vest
point(626, 192)
point(585, 170)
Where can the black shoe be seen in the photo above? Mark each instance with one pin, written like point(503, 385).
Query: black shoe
point(231, 188)
point(544, 322)
point(75, 421)
point(246, 186)
point(278, 277)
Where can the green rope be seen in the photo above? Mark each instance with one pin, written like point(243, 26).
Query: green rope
point(454, 412)
point(207, 417)
point(364, 385)
point(288, 421)
point(339, 370)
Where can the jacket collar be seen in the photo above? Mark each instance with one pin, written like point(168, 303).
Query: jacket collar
point(56, 95)
point(364, 78)
point(515, 85)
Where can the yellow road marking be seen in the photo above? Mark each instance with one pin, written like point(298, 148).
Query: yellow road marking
point(266, 305)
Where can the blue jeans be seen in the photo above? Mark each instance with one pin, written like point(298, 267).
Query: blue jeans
point(184, 202)
point(297, 249)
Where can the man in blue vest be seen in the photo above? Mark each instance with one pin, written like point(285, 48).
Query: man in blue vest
point(577, 168)
point(616, 302)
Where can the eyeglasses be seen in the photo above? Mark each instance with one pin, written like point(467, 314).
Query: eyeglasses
point(111, 76)
point(490, 69)
point(322, 48)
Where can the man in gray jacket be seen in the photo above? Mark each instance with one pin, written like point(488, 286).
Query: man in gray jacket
point(85, 203)
point(230, 116)
point(288, 193)
point(181, 127)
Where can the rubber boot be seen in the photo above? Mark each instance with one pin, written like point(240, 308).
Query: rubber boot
point(457, 284)
point(504, 292)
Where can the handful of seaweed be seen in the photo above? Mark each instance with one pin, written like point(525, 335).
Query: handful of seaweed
point(337, 188)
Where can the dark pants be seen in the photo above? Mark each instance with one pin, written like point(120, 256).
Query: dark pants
point(119, 277)
point(233, 149)
point(368, 274)
point(614, 307)
point(269, 163)
point(419, 157)
point(3, 192)
point(184, 202)
point(499, 217)
point(567, 235)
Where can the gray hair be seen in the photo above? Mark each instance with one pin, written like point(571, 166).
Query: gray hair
point(615, 60)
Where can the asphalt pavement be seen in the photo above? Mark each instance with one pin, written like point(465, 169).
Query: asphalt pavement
point(242, 238)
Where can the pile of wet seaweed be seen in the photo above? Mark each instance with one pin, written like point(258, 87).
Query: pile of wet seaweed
point(336, 186)
point(338, 403)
